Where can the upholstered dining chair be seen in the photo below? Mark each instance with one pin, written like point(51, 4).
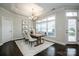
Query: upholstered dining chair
point(31, 40)
point(25, 37)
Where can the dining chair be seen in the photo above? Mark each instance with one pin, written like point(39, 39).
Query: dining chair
point(25, 37)
point(31, 40)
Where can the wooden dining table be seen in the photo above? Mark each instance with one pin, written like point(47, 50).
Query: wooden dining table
point(38, 37)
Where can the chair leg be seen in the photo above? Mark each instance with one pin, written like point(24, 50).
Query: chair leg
point(43, 40)
point(31, 44)
point(35, 43)
point(26, 41)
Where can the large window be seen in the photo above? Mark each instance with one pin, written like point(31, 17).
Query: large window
point(71, 14)
point(46, 25)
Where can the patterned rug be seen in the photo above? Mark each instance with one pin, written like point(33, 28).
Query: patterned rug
point(27, 50)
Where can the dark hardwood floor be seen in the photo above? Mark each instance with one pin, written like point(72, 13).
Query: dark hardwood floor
point(10, 49)
point(60, 50)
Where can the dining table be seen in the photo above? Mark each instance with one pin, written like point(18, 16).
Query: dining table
point(38, 37)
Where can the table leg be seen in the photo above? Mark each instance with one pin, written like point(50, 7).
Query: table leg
point(38, 41)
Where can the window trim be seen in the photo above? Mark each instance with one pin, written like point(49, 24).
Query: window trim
point(47, 26)
point(72, 17)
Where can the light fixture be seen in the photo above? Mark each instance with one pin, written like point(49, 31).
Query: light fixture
point(33, 16)
point(33, 11)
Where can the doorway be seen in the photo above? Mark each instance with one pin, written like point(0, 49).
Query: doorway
point(7, 29)
point(72, 30)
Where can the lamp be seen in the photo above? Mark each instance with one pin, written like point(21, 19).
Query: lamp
point(33, 17)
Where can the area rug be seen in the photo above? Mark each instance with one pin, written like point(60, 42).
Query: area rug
point(27, 50)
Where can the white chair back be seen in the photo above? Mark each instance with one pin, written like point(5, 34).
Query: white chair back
point(30, 38)
point(28, 35)
point(25, 35)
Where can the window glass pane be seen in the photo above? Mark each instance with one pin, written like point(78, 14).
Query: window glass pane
point(38, 27)
point(70, 14)
point(51, 18)
point(71, 29)
point(38, 21)
point(43, 20)
point(43, 27)
point(51, 28)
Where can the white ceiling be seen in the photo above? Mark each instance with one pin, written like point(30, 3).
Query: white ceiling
point(40, 8)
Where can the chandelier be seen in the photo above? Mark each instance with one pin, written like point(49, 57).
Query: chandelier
point(33, 16)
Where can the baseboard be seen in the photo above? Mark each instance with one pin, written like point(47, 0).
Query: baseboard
point(55, 41)
point(59, 42)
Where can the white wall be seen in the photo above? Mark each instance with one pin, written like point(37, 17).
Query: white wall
point(0, 30)
point(17, 23)
point(60, 26)
point(78, 28)
point(17, 28)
